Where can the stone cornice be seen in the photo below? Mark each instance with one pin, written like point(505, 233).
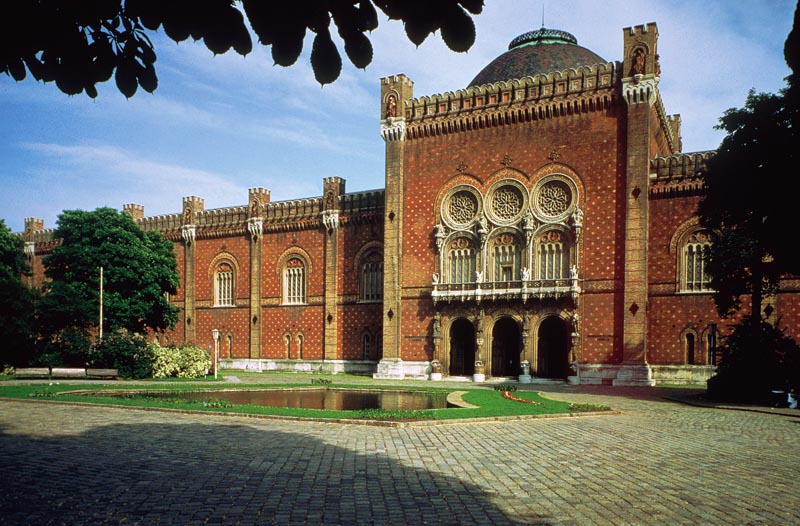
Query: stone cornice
point(679, 174)
point(531, 98)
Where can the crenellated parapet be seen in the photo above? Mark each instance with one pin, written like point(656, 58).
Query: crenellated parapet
point(560, 93)
point(169, 225)
point(679, 174)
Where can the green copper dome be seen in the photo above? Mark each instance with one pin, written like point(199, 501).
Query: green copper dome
point(540, 51)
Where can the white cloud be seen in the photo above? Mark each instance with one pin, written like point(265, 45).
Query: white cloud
point(112, 176)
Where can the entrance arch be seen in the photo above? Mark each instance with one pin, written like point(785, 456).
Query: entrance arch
point(505, 348)
point(553, 349)
point(462, 348)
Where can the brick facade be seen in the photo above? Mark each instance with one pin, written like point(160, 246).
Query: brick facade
point(539, 222)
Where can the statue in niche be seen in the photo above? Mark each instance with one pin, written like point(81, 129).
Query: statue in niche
point(478, 276)
point(526, 274)
point(329, 200)
point(437, 324)
point(435, 278)
point(573, 272)
point(483, 228)
point(391, 107)
point(255, 208)
point(639, 58)
point(527, 222)
point(187, 215)
point(577, 217)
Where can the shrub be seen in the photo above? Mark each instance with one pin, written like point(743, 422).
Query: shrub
point(183, 362)
point(165, 361)
point(128, 353)
point(505, 387)
point(193, 362)
point(756, 358)
point(67, 348)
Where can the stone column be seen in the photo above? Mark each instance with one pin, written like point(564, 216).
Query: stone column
point(395, 91)
point(257, 198)
point(192, 206)
point(640, 92)
point(333, 190)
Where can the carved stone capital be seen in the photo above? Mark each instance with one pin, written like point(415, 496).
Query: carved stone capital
point(330, 220)
point(393, 129)
point(640, 89)
point(188, 232)
point(255, 225)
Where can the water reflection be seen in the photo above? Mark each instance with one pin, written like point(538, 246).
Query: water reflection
point(334, 399)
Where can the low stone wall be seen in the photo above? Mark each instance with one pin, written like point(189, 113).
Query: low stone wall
point(683, 374)
point(599, 374)
point(358, 367)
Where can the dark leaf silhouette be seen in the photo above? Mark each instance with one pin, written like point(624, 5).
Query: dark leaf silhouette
point(80, 44)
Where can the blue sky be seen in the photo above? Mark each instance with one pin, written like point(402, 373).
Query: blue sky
point(217, 126)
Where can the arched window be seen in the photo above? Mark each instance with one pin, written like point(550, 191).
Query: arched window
point(507, 257)
point(371, 278)
point(294, 282)
point(287, 341)
point(300, 346)
point(694, 275)
point(223, 285)
point(461, 261)
point(365, 346)
point(229, 340)
point(690, 348)
point(553, 252)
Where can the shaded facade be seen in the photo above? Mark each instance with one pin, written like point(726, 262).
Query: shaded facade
point(540, 222)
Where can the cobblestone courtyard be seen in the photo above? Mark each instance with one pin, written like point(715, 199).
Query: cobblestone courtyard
point(658, 462)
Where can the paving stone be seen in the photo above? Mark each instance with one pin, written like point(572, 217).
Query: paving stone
point(658, 462)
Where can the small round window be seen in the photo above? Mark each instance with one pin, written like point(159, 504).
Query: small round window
point(461, 207)
point(553, 198)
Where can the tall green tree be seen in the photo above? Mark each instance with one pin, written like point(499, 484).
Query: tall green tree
point(748, 205)
point(17, 332)
point(78, 44)
point(139, 268)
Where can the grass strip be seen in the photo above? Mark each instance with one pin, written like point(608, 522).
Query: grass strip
point(491, 404)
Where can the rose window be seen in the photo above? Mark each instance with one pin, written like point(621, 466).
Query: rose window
point(507, 203)
point(462, 207)
point(554, 198)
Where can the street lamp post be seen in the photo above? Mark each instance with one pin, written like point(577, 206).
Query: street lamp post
point(215, 333)
point(712, 344)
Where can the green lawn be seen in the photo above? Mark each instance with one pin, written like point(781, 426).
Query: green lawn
point(491, 404)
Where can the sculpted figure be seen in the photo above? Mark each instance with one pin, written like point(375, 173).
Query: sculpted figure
point(638, 61)
point(391, 107)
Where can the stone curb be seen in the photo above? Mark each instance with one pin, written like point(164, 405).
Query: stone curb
point(361, 422)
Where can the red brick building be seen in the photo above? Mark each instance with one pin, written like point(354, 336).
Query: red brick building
point(540, 221)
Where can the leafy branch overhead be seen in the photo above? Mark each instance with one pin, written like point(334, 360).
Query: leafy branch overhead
point(80, 44)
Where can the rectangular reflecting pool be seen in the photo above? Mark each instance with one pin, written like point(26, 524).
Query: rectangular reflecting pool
point(335, 399)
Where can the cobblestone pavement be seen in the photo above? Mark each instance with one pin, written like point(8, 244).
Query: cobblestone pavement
point(658, 462)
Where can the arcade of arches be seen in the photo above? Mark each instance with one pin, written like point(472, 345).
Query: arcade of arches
point(502, 349)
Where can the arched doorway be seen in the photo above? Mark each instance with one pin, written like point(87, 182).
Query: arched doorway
point(462, 348)
point(505, 348)
point(553, 349)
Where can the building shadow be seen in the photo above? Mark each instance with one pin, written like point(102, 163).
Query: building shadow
point(185, 474)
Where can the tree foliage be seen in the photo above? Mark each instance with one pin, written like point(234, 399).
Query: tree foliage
point(80, 44)
point(16, 301)
point(747, 206)
point(138, 269)
point(756, 358)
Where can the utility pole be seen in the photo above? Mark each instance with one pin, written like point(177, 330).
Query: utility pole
point(101, 304)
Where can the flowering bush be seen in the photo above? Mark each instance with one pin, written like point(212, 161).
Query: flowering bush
point(193, 362)
point(183, 362)
point(165, 361)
